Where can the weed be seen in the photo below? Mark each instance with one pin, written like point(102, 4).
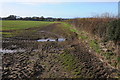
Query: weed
point(83, 37)
point(7, 34)
point(67, 25)
point(70, 63)
point(73, 30)
point(108, 55)
point(118, 59)
point(95, 46)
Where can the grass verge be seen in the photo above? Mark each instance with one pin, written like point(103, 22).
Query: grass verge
point(95, 46)
point(70, 63)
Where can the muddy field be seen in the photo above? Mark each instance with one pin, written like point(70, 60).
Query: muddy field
point(25, 57)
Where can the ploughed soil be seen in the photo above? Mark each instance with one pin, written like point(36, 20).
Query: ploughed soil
point(43, 59)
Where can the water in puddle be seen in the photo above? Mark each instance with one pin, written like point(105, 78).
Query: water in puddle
point(45, 40)
point(42, 40)
point(61, 39)
point(51, 40)
point(10, 51)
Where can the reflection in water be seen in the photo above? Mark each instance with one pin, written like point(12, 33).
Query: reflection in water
point(10, 51)
point(61, 39)
point(51, 40)
point(42, 40)
point(45, 40)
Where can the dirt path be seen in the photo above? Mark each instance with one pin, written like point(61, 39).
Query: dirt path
point(43, 59)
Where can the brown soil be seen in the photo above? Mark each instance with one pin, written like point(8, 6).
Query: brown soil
point(41, 59)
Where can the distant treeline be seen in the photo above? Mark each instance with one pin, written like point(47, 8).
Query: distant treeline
point(104, 28)
point(14, 17)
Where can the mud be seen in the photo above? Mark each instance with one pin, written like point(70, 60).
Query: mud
point(92, 63)
point(41, 59)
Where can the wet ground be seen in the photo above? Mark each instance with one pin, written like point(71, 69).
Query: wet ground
point(36, 53)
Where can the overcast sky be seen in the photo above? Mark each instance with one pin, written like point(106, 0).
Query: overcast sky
point(58, 9)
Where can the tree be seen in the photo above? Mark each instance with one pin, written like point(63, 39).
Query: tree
point(42, 18)
point(11, 17)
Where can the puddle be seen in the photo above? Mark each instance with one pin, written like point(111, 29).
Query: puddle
point(51, 39)
point(11, 51)
point(61, 39)
point(45, 40)
point(42, 40)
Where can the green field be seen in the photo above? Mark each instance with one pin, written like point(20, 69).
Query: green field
point(13, 25)
point(12, 28)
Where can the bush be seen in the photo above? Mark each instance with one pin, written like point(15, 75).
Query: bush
point(114, 31)
point(104, 28)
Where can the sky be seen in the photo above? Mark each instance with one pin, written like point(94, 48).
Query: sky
point(59, 0)
point(58, 9)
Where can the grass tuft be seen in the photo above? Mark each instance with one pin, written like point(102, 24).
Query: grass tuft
point(95, 46)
